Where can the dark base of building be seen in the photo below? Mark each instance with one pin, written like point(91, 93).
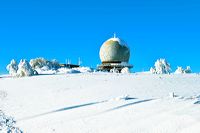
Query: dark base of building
point(110, 66)
point(69, 65)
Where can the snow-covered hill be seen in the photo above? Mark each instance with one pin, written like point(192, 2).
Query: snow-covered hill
point(103, 103)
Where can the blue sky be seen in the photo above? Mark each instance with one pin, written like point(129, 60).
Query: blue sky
point(64, 29)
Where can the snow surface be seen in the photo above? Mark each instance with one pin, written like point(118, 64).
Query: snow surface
point(103, 103)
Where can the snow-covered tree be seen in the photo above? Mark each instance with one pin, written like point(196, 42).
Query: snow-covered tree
point(180, 70)
point(12, 68)
point(24, 69)
point(38, 63)
point(20, 70)
point(125, 70)
point(55, 64)
point(188, 70)
point(153, 70)
point(161, 67)
point(41, 63)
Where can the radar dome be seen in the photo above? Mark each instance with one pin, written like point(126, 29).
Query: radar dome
point(114, 50)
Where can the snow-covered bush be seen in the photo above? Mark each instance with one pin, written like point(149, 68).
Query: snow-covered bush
point(125, 70)
point(161, 67)
point(83, 69)
point(180, 70)
point(74, 70)
point(24, 69)
point(7, 124)
point(12, 68)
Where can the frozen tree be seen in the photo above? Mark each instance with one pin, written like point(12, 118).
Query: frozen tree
point(179, 70)
point(188, 70)
point(161, 67)
point(153, 70)
point(41, 63)
point(38, 63)
point(54, 64)
point(125, 70)
point(12, 68)
point(24, 69)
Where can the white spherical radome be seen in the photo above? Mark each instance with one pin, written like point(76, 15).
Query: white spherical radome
point(114, 50)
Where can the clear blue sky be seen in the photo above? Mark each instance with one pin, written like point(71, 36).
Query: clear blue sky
point(63, 29)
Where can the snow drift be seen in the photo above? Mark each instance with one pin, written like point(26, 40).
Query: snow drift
point(104, 103)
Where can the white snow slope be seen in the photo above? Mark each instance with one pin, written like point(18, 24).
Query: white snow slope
point(103, 103)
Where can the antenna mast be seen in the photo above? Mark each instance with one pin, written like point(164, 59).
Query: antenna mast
point(79, 61)
point(114, 35)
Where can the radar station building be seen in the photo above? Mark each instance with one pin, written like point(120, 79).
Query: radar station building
point(114, 54)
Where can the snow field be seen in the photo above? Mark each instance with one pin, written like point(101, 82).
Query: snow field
point(103, 103)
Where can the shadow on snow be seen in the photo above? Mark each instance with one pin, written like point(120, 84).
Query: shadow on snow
point(126, 105)
point(62, 109)
point(84, 105)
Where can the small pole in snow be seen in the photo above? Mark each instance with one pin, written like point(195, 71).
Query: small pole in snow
point(172, 95)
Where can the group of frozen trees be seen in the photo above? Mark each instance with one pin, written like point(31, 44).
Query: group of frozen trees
point(24, 68)
point(20, 70)
point(180, 70)
point(41, 63)
point(163, 67)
